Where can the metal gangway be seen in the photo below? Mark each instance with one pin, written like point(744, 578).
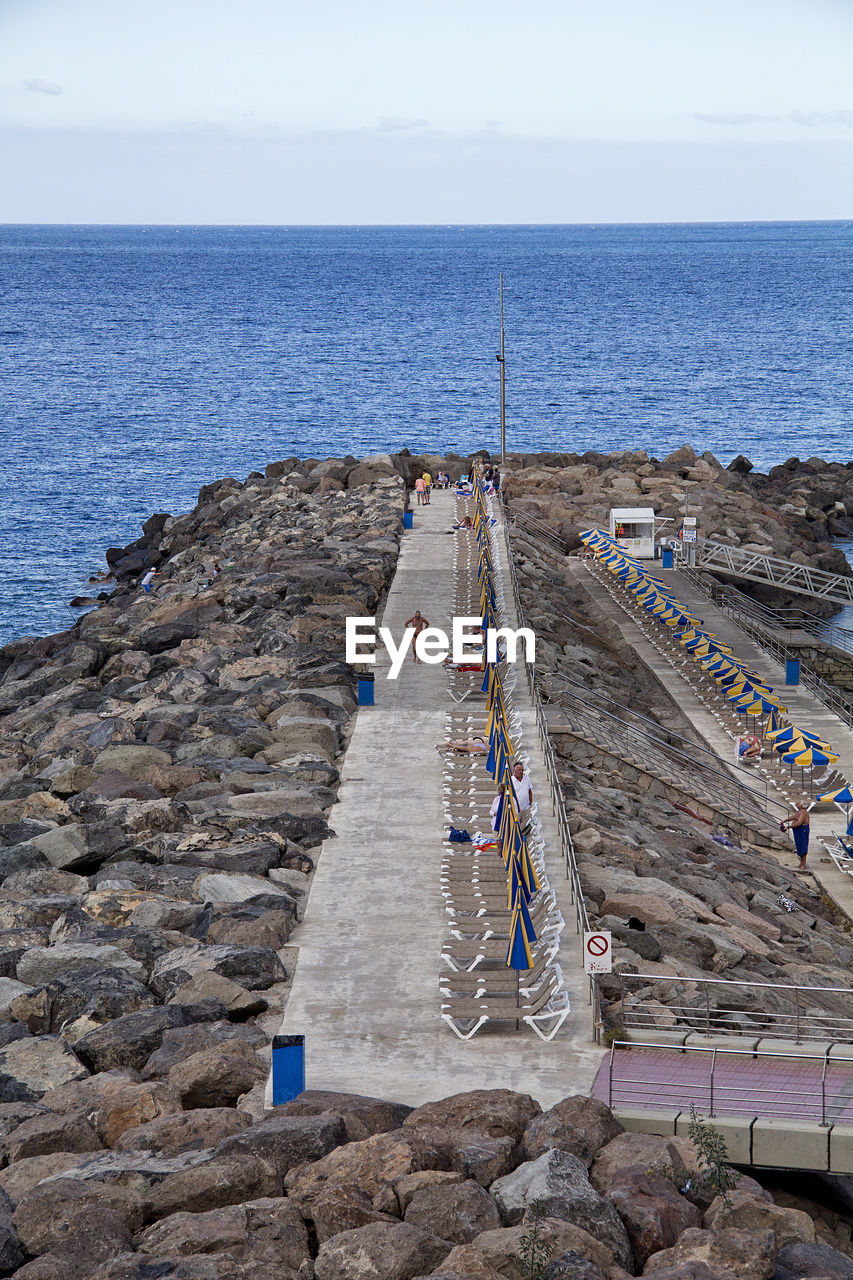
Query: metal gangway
point(773, 571)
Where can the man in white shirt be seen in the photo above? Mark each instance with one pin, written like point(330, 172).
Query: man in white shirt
point(523, 792)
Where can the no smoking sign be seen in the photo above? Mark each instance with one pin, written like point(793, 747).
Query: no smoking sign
point(597, 951)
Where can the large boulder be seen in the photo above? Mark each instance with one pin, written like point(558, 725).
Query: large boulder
point(635, 1153)
point(338, 1209)
point(43, 1134)
point(501, 1248)
point(218, 1076)
point(801, 1261)
point(362, 1115)
point(134, 760)
point(45, 1215)
point(188, 1131)
point(456, 1212)
point(221, 1181)
point(41, 965)
point(254, 968)
point(654, 1213)
point(497, 1113)
point(113, 1103)
point(380, 1251)
point(373, 1165)
point(288, 1141)
point(268, 1231)
point(128, 1041)
point(579, 1125)
point(558, 1182)
point(731, 1254)
point(755, 1213)
point(32, 1065)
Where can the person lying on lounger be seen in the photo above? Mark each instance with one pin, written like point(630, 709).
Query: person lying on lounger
point(464, 746)
point(749, 748)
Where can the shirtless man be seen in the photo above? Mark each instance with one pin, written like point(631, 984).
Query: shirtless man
point(419, 623)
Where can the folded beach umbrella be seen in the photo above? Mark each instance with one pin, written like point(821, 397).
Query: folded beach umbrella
point(516, 884)
point(774, 724)
point(518, 954)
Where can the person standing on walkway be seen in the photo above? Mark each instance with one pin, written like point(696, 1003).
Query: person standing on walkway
point(799, 825)
point(523, 792)
point(420, 489)
point(427, 479)
point(418, 623)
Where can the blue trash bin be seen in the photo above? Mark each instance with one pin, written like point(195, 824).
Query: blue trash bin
point(288, 1068)
point(366, 682)
point(792, 671)
point(408, 519)
point(666, 558)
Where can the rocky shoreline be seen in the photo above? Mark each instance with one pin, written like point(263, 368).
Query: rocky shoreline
point(168, 771)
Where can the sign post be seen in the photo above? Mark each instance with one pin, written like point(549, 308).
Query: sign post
point(598, 951)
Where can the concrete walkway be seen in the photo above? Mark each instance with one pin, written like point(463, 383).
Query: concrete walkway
point(365, 991)
point(804, 710)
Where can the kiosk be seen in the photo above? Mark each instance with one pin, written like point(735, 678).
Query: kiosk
point(634, 530)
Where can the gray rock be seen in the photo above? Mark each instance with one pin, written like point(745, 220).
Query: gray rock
point(255, 968)
point(218, 1076)
point(128, 1041)
point(288, 1141)
point(44, 964)
point(380, 1251)
point(236, 888)
point(456, 1212)
point(559, 1182)
point(31, 1066)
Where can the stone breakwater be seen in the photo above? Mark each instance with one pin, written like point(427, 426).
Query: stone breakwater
point(336, 1186)
point(794, 511)
point(677, 901)
point(167, 771)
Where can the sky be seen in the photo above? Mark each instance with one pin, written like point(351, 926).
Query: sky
point(458, 111)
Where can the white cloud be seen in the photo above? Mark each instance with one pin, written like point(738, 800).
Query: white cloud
point(42, 86)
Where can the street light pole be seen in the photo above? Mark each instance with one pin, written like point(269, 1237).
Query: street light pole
point(502, 362)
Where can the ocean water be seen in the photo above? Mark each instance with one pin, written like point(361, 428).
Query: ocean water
point(137, 363)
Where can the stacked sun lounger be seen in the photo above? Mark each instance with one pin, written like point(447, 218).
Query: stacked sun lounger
point(487, 925)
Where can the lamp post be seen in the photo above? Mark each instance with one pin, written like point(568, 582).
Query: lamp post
point(502, 362)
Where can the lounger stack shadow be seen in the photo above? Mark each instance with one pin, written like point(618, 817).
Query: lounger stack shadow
point(478, 989)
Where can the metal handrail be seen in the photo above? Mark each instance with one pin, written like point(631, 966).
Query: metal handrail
point(539, 530)
point(773, 570)
point(644, 737)
point(801, 1019)
point(736, 1098)
point(826, 693)
point(558, 807)
point(792, 619)
point(727, 778)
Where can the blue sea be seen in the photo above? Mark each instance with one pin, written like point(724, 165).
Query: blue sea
point(138, 363)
